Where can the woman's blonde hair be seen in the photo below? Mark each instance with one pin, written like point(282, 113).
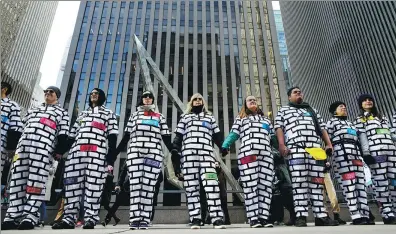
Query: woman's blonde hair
point(245, 111)
point(190, 104)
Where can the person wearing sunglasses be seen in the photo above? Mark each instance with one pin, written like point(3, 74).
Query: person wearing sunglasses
point(146, 128)
point(255, 160)
point(93, 140)
point(45, 132)
point(379, 153)
point(11, 128)
point(196, 132)
point(300, 132)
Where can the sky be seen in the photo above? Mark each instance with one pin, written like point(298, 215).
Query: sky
point(62, 29)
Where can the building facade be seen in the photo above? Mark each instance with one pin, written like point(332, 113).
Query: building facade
point(221, 49)
point(339, 50)
point(26, 40)
point(38, 94)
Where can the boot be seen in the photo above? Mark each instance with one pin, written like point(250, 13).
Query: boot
point(89, 225)
point(9, 225)
point(62, 225)
point(26, 225)
point(301, 221)
point(106, 221)
point(116, 220)
point(325, 221)
point(338, 219)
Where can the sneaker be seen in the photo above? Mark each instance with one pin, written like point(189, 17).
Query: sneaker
point(390, 220)
point(196, 224)
point(62, 225)
point(325, 221)
point(359, 221)
point(255, 224)
point(291, 222)
point(265, 223)
point(338, 219)
point(89, 225)
point(300, 222)
point(143, 225)
point(26, 225)
point(219, 224)
point(9, 225)
point(134, 225)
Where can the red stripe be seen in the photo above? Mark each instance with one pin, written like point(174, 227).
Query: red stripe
point(248, 159)
point(86, 148)
point(152, 113)
point(348, 176)
point(357, 162)
point(318, 180)
point(33, 190)
point(98, 125)
point(48, 122)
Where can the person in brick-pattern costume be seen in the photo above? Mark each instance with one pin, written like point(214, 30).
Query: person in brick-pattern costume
point(300, 128)
point(255, 160)
point(195, 134)
point(45, 135)
point(348, 162)
point(93, 138)
point(146, 128)
point(379, 152)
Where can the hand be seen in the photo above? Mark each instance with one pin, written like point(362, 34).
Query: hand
point(283, 150)
point(180, 177)
point(327, 164)
point(51, 171)
point(329, 150)
point(117, 189)
point(110, 168)
point(175, 152)
point(224, 152)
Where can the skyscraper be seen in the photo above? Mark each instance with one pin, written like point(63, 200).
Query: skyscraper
point(222, 49)
point(24, 53)
point(339, 50)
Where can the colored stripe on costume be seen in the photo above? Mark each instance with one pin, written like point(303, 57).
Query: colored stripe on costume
point(48, 122)
point(211, 176)
point(393, 182)
point(266, 126)
point(351, 131)
point(349, 176)
point(16, 157)
point(151, 113)
point(4, 119)
point(357, 162)
point(71, 180)
point(151, 122)
point(380, 159)
point(318, 180)
point(382, 131)
point(151, 162)
point(87, 148)
point(33, 190)
point(297, 161)
point(248, 159)
point(98, 125)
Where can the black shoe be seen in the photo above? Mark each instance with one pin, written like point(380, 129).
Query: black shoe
point(266, 223)
point(255, 224)
point(134, 225)
point(368, 221)
point(389, 220)
point(143, 225)
point(26, 225)
point(105, 222)
point(62, 225)
point(196, 224)
point(227, 222)
point(301, 221)
point(325, 221)
point(338, 219)
point(89, 225)
point(9, 225)
point(358, 221)
point(219, 224)
point(116, 220)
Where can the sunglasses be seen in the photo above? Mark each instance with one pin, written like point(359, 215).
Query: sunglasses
point(49, 91)
point(251, 100)
point(94, 93)
point(147, 96)
point(197, 99)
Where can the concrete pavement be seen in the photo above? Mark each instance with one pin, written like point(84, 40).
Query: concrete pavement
point(379, 228)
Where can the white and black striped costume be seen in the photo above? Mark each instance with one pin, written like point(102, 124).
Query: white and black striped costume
point(85, 170)
point(383, 167)
point(45, 131)
point(348, 164)
point(11, 127)
point(146, 129)
point(307, 176)
point(255, 163)
point(198, 163)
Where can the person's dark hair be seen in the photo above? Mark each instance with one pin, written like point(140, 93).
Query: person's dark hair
point(101, 98)
point(289, 91)
point(8, 86)
point(374, 109)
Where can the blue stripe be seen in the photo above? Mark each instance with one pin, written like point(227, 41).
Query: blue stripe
point(4, 119)
point(151, 122)
point(393, 182)
point(297, 161)
point(351, 131)
point(72, 180)
point(266, 126)
point(151, 162)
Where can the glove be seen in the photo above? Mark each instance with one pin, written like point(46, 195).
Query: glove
point(117, 189)
point(176, 162)
point(224, 152)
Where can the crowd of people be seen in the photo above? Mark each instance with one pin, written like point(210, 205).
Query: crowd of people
point(294, 178)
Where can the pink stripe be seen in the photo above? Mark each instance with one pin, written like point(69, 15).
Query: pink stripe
point(87, 148)
point(248, 159)
point(349, 176)
point(48, 122)
point(98, 125)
